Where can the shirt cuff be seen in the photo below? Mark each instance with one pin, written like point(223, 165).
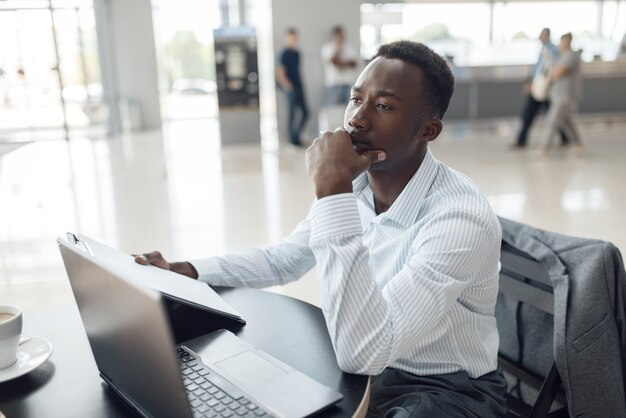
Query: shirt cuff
point(208, 269)
point(334, 216)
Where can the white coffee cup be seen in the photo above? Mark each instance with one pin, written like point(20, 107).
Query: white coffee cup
point(10, 331)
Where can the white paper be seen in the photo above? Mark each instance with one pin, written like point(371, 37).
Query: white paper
point(168, 283)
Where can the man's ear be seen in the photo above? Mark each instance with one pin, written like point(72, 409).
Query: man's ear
point(430, 129)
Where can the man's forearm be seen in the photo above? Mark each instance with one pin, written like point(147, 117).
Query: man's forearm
point(185, 268)
point(560, 72)
point(282, 78)
point(333, 185)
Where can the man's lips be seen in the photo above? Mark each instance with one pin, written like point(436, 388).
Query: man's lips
point(359, 144)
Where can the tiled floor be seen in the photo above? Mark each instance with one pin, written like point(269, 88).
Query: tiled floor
point(181, 192)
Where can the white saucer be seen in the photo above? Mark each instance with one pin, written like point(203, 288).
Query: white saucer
point(30, 355)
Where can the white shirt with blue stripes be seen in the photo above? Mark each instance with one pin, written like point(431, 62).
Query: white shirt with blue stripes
point(413, 288)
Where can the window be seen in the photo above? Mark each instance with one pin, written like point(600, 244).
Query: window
point(32, 82)
point(498, 33)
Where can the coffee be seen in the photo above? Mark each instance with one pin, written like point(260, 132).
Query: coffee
point(5, 316)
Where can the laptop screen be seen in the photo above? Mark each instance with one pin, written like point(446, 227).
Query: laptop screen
point(128, 334)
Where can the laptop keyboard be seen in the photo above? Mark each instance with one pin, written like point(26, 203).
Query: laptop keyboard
point(210, 395)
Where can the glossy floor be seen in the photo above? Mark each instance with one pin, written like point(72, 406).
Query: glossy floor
point(180, 191)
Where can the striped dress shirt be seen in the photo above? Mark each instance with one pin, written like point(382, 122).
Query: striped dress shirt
point(413, 288)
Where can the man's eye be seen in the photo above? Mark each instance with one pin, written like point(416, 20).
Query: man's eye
point(354, 99)
point(383, 106)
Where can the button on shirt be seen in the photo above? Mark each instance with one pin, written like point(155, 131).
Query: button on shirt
point(413, 288)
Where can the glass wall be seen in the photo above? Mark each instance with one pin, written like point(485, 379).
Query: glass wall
point(499, 32)
point(38, 89)
point(78, 64)
point(183, 31)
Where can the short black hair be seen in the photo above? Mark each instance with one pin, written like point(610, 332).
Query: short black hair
point(291, 31)
point(438, 78)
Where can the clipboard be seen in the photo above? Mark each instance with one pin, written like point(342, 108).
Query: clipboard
point(172, 286)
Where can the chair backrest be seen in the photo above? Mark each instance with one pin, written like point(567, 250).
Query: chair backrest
point(524, 313)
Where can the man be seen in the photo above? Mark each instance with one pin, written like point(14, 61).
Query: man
point(406, 248)
point(621, 52)
point(538, 87)
point(340, 61)
point(289, 79)
point(564, 94)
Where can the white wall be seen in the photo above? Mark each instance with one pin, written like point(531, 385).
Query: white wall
point(128, 58)
point(314, 20)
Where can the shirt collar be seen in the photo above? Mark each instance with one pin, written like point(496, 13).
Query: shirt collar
point(360, 184)
point(404, 210)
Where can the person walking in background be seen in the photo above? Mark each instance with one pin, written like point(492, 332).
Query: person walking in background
point(564, 94)
point(537, 88)
point(621, 51)
point(340, 64)
point(2, 91)
point(290, 80)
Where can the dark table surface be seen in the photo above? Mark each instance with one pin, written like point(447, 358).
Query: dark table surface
point(68, 384)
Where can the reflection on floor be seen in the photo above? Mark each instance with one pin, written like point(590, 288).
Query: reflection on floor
point(181, 192)
point(7, 147)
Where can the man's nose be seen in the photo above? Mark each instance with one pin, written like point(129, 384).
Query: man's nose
point(359, 120)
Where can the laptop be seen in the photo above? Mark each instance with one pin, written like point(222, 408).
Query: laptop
point(217, 374)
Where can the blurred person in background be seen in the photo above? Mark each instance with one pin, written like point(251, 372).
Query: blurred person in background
point(2, 92)
point(340, 64)
point(621, 51)
point(290, 80)
point(537, 88)
point(564, 95)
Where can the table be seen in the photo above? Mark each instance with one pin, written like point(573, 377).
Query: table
point(68, 384)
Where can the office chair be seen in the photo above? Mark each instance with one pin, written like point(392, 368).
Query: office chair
point(524, 313)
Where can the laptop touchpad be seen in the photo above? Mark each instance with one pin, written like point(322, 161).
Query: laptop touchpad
point(249, 369)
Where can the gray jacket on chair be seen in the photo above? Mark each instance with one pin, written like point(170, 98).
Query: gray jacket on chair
point(589, 316)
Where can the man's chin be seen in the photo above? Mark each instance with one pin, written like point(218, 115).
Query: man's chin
point(359, 148)
point(377, 166)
